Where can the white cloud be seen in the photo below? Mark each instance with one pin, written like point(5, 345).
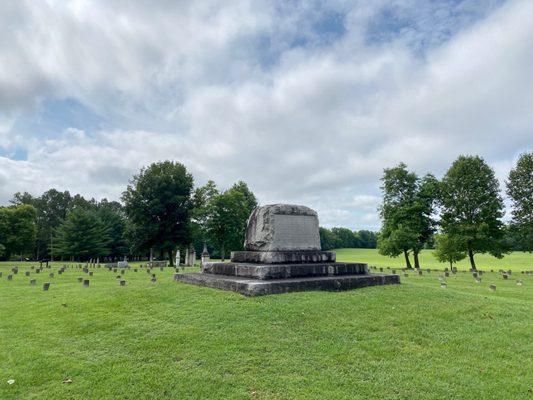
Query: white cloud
point(314, 123)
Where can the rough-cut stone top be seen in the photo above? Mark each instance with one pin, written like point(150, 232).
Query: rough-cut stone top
point(282, 227)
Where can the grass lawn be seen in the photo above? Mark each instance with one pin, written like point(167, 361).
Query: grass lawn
point(515, 261)
point(170, 340)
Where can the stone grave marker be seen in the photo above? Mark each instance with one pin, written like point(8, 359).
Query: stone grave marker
point(80, 279)
point(86, 283)
point(51, 275)
point(46, 286)
point(27, 273)
point(492, 287)
point(33, 282)
point(10, 277)
point(122, 282)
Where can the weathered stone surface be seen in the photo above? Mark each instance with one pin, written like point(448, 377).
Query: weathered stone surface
point(281, 257)
point(257, 287)
point(283, 271)
point(282, 227)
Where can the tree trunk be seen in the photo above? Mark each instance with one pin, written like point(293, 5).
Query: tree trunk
point(171, 258)
point(415, 256)
point(471, 257)
point(451, 265)
point(222, 252)
point(407, 262)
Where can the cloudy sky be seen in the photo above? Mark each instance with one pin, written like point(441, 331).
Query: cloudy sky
point(305, 101)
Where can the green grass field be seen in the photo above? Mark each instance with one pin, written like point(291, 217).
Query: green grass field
point(170, 340)
point(515, 261)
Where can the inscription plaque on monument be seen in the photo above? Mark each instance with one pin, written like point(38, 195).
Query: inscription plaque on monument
point(294, 232)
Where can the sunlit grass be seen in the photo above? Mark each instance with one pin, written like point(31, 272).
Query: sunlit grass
point(170, 340)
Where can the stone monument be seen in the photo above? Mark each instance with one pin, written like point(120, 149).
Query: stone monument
point(205, 255)
point(282, 254)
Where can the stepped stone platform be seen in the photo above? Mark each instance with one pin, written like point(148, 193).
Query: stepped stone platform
point(258, 287)
point(283, 255)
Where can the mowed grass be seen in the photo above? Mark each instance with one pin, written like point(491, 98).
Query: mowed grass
point(170, 340)
point(515, 261)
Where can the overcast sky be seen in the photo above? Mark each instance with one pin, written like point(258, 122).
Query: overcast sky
point(305, 101)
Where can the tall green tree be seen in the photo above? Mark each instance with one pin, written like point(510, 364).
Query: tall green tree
point(520, 190)
point(17, 229)
point(158, 204)
point(398, 235)
point(111, 216)
point(227, 215)
point(250, 201)
point(407, 213)
point(472, 207)
point(421, 213)
point(52, 209)
point(450, 249)
point(201, 199)
point(327, 239)
point(81, 236)
point(4, 231)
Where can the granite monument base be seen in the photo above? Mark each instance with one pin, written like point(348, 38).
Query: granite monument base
point(260, 279)
point(280, 257)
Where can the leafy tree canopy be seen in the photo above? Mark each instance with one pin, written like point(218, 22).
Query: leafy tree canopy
point(472, 207)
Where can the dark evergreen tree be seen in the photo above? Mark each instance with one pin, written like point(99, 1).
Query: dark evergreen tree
point(81, 236)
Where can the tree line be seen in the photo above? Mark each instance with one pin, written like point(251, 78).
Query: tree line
point(459, 215)
point(338, 238)
point(160, 212)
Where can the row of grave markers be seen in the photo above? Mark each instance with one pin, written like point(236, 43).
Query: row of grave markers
point(122, 282)
point(475, 274)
